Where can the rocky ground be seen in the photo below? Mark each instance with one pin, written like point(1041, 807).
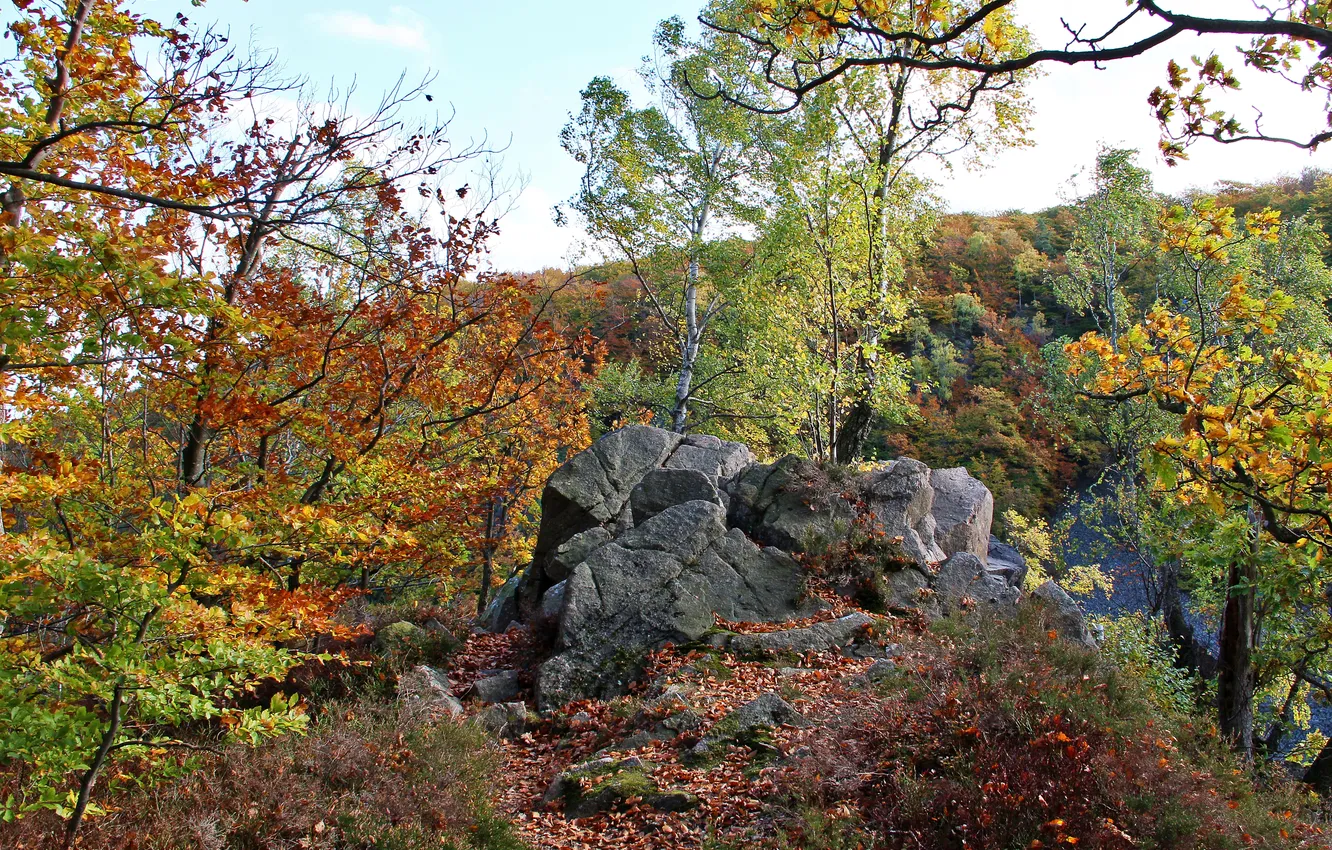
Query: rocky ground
point(695, 750)
point(704, 644)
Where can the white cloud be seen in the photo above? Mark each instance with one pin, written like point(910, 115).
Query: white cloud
point(403, 30)
point(529, 240)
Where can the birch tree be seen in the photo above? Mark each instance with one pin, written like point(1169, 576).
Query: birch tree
point(662, 184)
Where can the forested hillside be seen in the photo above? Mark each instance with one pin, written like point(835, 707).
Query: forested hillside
point(764, 524)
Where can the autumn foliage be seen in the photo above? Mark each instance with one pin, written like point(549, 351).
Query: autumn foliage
point(250, 370)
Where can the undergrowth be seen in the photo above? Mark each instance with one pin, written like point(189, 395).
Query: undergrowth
point(370, 774)
point(1007, 737)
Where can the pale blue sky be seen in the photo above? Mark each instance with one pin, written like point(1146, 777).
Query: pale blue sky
point(514, 70)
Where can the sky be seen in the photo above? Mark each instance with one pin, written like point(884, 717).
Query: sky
point(510, 73)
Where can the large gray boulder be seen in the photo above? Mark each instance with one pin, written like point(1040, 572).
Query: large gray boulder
point(591, 498)
point(963, 583)
point(1065, 616)
point(661, 582)
point(901, 501)
point(648, 537)
point(594, 486)
point(665, 488)
point(1008, 562)
point(788, 505)
point(963, 511)
point(715, 458)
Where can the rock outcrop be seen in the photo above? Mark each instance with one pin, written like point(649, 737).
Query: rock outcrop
point(648, 536)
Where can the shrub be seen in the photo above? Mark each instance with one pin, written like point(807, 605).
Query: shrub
point(371, 774)
point(1010, 738)
point(1139, 645)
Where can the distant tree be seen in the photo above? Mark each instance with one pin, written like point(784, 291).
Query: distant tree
point(1113, 229)
point(879, 125)
point(1247, 444)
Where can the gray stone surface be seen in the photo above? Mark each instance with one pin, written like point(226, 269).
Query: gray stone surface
point(503, 608)
point(664, 488)
point(963, 511)
point(601, 785)
point(815, 638)
point(399, 636)
point(501, 687)
point(504, 720)
point(1064, 614)
point(574, 551)
point(767, 711)
point(431, 689)
point(553, 602)
point(773, 505)
point(963, 583)
point(714, 458)
point(1006, 561)
point(901, 498)
point(593, 487)
point(880, 670)
point(660, 582)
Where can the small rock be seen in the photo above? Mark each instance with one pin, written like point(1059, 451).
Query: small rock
point(504, 720)
point(672, 801)
point(501, 687)
point(502, 612)
point(964, 577)
point(880, 670)
point(601, 785)
point(431, 688)
point(768, 711)
point(1007, 562)
point(817, 637)
point(396, 637)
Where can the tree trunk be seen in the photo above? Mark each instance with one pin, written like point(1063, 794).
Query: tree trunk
point(1235, 682)
point(1190, 654)
point(855, 432)
point(488, 562)
point(688, 352)
point(1319, 774)
point(95, 769)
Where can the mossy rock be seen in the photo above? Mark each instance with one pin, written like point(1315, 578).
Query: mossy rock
point(400, 637)
point(602, 785)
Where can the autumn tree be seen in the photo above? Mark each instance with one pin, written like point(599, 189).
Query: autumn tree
point(249, 370)
point(1291, 39)
point(817, 281)
point(1250, 405)
point(1113, 233)
point(886, 122)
